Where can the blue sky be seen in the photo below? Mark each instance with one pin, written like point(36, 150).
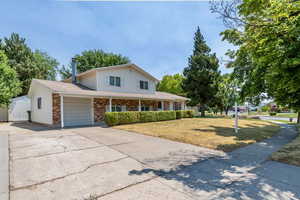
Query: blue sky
point(157, 36)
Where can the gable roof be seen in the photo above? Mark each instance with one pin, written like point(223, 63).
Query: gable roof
point(79, 90)
point(114, 67)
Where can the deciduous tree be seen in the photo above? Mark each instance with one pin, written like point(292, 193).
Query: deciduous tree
point(9, 83)
point(93, 59)
point(171, 84)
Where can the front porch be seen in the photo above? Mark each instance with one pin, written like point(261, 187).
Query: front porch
point(76, 110)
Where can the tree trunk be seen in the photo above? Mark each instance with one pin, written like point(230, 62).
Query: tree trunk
point(298, 118)
point(202, 110)
point(226, 111)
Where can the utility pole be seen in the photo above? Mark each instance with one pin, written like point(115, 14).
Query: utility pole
point(236, 125)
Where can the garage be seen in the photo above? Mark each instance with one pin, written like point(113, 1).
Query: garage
point(77, 111)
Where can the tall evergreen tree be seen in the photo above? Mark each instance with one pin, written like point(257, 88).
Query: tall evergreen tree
point(201, 75)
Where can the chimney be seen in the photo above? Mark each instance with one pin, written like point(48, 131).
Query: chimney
point(74, 71)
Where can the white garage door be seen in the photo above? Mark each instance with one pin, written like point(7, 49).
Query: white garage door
point(77, 111)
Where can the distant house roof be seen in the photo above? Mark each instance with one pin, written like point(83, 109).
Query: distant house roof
point(130, 65)
point(79, 90)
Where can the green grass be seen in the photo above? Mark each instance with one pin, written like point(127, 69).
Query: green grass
point(290, 153)
point(288, 115)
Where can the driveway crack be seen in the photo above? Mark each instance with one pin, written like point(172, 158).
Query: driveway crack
point(62, 177)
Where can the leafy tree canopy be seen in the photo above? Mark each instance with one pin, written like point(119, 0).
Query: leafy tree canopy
point(27, 64)
point(201, 75)
point(93, 59)
point(171, 84)
point(267, 60)
point(9, 83)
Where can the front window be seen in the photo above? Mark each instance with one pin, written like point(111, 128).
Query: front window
point(116, 108)
point(144, 85)
point(115, 81)
point(145, 108)
point(39, 103)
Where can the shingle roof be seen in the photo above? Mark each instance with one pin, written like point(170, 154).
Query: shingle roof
point(74, 89)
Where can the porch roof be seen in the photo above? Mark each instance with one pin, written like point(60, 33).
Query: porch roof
point(79, 90)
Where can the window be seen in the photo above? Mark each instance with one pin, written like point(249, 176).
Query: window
point(145, 108)
point(39, 102)
point(159, 106)
point(144, 85)
point(115, 81)
point(116, 108)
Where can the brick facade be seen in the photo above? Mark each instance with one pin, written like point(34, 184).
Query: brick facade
point(166, 105)
point(99, 109)
point(56, 109)
point(100, 106)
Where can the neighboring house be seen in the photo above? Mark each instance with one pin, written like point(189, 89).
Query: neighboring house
point(85, 98)
point(17, 110)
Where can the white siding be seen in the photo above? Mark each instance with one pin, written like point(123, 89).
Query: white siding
point(89, 81)
point(18, 109)
point(130, 81)
point(43, 115)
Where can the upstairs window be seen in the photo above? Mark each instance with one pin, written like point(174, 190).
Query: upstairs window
point(144, 85)
point(115, 81)
point(39, 103)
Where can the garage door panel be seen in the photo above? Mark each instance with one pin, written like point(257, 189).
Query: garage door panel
point(77, 111)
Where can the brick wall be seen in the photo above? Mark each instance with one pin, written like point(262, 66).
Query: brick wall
point(99, 109)
point(56, 109)
point(166, 105)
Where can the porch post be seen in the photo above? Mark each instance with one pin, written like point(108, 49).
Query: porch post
point(110, 109)
point(140, 106)
point(92, 111)
point(182, 106)
point(171, 105)
point(162, 105)
point(62, 111)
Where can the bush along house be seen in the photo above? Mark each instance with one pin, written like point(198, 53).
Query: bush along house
point(85, 97)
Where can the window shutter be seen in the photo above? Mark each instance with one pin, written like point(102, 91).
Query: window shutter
point(124, 108)
point(107, 108)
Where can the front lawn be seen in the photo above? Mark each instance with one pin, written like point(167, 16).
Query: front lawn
point(214, 133)
point(290, 153)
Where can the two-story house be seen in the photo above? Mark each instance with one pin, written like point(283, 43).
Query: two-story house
point(84, 98)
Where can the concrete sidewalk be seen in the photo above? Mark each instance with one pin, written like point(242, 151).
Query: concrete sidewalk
point(4, 162)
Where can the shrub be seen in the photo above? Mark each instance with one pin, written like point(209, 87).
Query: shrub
point(117, 118)
point(111, 118)
point(184, 114)
point(128, 117)
point(272, 113)
point(178, 114)
point(166, 115)
point(148, 116)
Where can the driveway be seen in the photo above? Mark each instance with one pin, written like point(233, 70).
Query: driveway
point(114, 164)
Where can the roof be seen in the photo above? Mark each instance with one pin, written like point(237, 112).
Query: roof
point(131, 65)
point(78, 90)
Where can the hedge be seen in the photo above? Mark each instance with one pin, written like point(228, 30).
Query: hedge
point(184, 114)
point(117, 118)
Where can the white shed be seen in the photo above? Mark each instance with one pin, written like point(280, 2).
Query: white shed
point(18, 108)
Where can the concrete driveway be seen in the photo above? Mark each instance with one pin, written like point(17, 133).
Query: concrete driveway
point(113, 164)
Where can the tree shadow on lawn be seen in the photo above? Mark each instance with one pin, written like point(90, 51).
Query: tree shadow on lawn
point(245, 136)
point(223, 177)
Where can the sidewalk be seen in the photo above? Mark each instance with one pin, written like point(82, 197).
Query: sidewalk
point(4, 162)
